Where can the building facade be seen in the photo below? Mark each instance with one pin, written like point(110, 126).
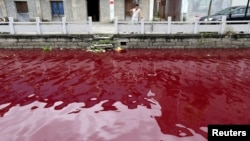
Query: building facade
point(73, 10)
point(106, 10)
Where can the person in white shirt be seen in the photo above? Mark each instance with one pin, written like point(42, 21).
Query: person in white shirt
point(136, 14)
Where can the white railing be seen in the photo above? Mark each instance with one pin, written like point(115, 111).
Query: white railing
point(126, 27)
point(187, 27)
point(38, 27)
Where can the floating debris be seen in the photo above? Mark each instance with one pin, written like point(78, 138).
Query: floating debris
point(118, 49)
point(95, 49)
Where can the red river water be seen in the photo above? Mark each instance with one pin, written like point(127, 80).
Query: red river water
point(133, 95)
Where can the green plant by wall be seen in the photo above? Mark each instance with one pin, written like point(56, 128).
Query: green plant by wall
point(47, 48)
point(203, 35)
point(229, 31)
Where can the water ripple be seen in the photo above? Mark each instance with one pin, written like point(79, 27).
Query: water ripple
point(144, 94)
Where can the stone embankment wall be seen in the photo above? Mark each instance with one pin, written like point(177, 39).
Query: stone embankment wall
point(128, 41)
point(183, 41)
point(37, 41)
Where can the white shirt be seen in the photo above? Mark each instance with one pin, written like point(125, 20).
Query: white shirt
point(136, 15)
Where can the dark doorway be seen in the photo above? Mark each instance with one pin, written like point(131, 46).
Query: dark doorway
point(128, 6)
point(173, 9)
point(93, 9)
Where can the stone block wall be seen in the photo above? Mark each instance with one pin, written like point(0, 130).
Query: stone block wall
point(127, 41)
point(182, 41)
point(54, 41)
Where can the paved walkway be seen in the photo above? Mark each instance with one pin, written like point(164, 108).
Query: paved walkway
point(103, 28)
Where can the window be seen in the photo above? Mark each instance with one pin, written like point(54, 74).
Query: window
point(239, 11)
point(57, 8)
point(21, 6)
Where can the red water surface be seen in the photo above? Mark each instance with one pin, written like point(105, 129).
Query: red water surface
point(135, 95)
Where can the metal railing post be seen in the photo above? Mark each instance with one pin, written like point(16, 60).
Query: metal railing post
point(64, 25)
point(223, 24)
point(249, 27)
point(11, 25)
point(116, 25)
point(196, 23)
point(169, 25)
point(142, 26)
point(90, 25)
point(38, 29)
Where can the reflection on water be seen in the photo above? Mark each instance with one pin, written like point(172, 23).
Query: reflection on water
point(136, 95)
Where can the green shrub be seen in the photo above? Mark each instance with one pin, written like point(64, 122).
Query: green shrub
point(46, 48)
